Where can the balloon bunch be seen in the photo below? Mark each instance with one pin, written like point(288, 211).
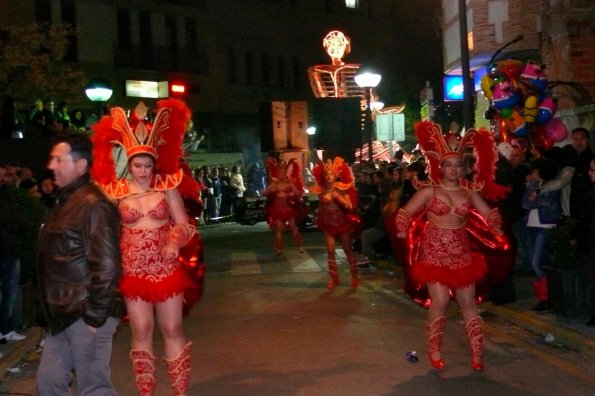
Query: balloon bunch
point(521, 106)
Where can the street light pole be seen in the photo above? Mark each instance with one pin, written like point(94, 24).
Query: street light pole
point(368, 124)
point(368, 80)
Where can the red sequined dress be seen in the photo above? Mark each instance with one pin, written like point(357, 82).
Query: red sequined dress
point(334, 219)
point(445, 255)
point(147, 274)
point(283, 204)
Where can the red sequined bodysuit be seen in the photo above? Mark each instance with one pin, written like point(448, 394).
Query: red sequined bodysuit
point(334, 220)
point(282, 205)
point(445, 255)
point(146, 273)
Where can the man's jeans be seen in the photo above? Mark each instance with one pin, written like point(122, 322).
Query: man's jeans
point(9, 289)
point(538, 238)
point(86, 352)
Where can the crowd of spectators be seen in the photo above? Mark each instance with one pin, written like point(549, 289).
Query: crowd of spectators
point(558, 177)
point(564, 172)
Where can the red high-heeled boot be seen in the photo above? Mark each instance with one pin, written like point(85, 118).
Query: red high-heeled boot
point(143, 365)
point(333, 274)
point(278, 244)
point(353, 271)
point(435, 331)
point(178, 370)
point(297, 237)
point(474, 330)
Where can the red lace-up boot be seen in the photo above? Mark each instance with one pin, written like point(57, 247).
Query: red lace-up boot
point(143, 365)
point(435, 331)
point(475, 337)
point(333, 274)
point(178, 370)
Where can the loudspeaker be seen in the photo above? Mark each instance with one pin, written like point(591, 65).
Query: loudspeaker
point(338, 126)
point(266, 128)
point(283, 126)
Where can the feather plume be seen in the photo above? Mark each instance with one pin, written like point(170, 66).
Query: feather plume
point(272, 169)
point(103, 138)
point(486, 153)
point(295, 174)
point(174, 115)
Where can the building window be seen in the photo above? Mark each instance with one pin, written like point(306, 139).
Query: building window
point(191, 34)
point(297, 73)
point(249, 68)
point(352, 4)
point(266, 71)
point(280, 71)
point(146, 34)
point(43, 11)
point(231, 66)
point(68, 11)
point(123, 29)
point(145, 53)
point(171, 33)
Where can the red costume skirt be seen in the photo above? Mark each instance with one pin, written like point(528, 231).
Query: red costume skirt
point(333, 220)
point(445, 257)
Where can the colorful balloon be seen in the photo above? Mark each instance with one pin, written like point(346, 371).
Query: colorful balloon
point(516, 124)
point(531, 109)
point(506, 112)
point(556, 130)
point(547, 109)
point(487, 83)
point(490, 113)
point(511, 68)
point(534, 75)
point(504, 95)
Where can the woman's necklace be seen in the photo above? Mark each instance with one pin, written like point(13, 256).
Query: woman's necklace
point(446, 188)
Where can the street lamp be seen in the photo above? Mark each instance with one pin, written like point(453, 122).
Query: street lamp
point(368, 81)
point(98, 91)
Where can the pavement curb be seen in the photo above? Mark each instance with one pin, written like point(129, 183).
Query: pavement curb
point(17, 350)
point(563, 335)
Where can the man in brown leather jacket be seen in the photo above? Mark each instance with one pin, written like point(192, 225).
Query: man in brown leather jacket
point(78, 275)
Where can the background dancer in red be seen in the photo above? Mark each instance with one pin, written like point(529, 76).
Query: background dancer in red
point(336, 214)
point(284, 207)
point(155, 227)
point(445, 260)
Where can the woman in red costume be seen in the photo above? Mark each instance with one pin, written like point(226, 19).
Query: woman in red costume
point(284, 207)
point(155, 227)
point(336, 214)
point(445, 260)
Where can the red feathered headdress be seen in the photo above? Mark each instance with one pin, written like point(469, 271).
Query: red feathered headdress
point(341, 170)
point(290, 168)
point(436, 148)
point(162, 139)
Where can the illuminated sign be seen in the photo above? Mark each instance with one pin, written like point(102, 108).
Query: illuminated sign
point(147, 89)
point(178, 88)
point(453, 88)
point(390, 127)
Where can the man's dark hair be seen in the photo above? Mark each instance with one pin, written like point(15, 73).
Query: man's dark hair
point(548, 169)
point(80, 146)
point(416, 167)
point(582, 130)
point(27, 183)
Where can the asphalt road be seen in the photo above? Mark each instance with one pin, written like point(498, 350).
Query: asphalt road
point(267, 325)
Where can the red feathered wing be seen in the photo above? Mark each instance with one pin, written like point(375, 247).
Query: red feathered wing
point(103, 138)
point(487, 155)
point(175, 120)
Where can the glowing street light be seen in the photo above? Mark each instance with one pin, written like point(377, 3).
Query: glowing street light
point(98, 91)
point(368, 81)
